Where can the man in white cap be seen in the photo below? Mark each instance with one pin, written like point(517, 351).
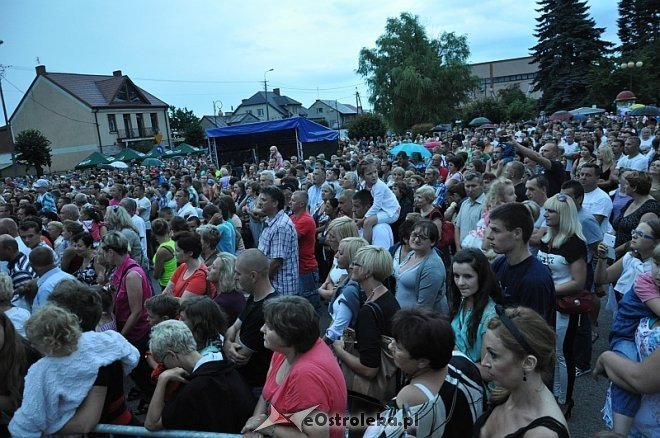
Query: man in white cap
point(45, 198)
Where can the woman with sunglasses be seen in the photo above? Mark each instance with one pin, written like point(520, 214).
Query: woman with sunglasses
point(564, 251)
point(519, 358)
point(420, 277)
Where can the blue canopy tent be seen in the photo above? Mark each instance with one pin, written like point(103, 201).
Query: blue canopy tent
point(251, 142)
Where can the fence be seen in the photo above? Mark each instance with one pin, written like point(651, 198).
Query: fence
point(113, 429)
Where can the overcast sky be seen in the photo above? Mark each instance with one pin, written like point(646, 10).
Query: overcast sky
point(191, 53)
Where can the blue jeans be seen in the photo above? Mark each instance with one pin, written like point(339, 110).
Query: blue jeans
point(308, 285)
point(624, 402)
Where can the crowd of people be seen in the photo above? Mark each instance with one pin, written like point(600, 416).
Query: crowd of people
point(459, 287)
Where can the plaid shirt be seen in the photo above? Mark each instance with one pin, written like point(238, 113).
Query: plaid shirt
point(279, 240)
point(440, 193)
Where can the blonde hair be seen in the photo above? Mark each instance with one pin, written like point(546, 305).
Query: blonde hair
point(117, 219)
point(656, 255)
point(497, 191)
point(227, 281)
point(606, 155)
point(375, 261)
point(569, 224)
point(352, 245)
point(55, 329)
point(426, 192)
point(6, 288)
point(344, 227)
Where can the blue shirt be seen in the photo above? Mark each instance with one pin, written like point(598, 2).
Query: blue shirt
point(46, 284)
point(227, 238)
point(461, 325)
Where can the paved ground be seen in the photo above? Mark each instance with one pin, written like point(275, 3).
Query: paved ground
point(589, 394)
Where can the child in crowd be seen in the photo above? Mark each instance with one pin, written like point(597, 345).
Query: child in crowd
point(107, 321)
point(385, 209)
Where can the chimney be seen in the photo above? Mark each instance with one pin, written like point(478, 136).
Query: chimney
point(41, 70)
point(117, 73)
point(276, 91)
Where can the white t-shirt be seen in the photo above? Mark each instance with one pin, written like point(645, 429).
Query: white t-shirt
point(597, 202)
point(142, 232)
point(631, 268)
point(381, 235)
point(145, 204)
point(18, 316)
point(638, 162)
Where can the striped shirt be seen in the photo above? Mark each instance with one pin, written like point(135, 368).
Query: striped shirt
point(279, 240)
point(20, 270)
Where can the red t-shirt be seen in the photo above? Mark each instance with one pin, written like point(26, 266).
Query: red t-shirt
point(314, 379)
point(196, 283)
point(306, 229)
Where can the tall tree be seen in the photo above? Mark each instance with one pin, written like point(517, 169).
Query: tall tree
point(182, 118)
point(367, 125)
point(414, 78)
point(569, 47)
point(33, 149)
point(639, 24)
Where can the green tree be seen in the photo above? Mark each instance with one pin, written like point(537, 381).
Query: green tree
point(181, 119)
point(33, 150)
point(638, 25)
point(569, 47)
point(194, 135)
point(322, 122)
point(517, 106)
point(413, 78)
point(367, 125)
point(490, 107)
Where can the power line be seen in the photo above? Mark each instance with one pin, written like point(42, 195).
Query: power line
point(48, 109)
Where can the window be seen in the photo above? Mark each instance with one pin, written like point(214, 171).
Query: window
point(127, 93)
point(319, 110)
point(154, 122)
point(260, 112)
point(248, 111)
point(112, 123)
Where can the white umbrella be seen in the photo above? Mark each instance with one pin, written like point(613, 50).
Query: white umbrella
point(586, 111)
point(119, 165)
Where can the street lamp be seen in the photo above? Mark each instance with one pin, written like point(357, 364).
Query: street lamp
point(215, 112)
point(630, 66)
point(266, 93)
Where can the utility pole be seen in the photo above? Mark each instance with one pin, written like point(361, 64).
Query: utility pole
point(358, 102)
point(4, 108)
point(266, 93)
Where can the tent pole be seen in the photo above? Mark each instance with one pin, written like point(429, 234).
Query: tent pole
point(299, 148)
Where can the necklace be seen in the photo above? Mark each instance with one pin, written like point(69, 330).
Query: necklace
point(373, 291)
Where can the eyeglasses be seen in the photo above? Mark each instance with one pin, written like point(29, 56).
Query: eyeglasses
point(356, 264)
point(638, 233)
point(418, 236)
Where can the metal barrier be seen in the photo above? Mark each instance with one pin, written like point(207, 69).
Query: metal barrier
point(141, 431)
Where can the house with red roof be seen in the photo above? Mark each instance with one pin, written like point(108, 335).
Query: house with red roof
point(81, 113)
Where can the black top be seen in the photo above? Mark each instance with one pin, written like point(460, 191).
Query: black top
point(215, 399)
point(252, 319)
point(115, 410)
point(556, 175)
point(625, 224)
point(529, 284)
point(547, 422)
point(368, 331)
point(520, 191)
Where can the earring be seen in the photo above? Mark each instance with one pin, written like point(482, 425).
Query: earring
point(524, 376)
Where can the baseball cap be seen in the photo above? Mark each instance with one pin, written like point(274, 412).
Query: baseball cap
point(40, 183)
